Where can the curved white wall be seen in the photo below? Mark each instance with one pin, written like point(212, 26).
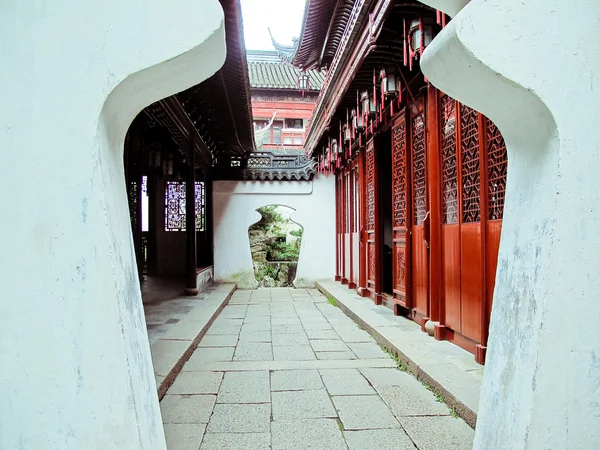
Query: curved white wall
point(234, 210)
point(533, 67)
point(75, 368)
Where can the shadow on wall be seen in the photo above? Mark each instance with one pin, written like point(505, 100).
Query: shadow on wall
point(275, 242)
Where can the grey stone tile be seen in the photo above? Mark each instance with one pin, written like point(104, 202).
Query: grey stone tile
point(227, 322)
point(316, 325)
point(224, 329)
point(307, 434)
point(285, 321)
point(412, 399)
point(219, 340)
point(253, 351)
point(336, 355)
point(322, 334)
point(196, 383)
point(346, 382)
point(208, 354)
point(386, 377)
point(236, 441)
point(329, 345)
point(296, 380)
point(264, 325)
point(184, 436)
point(293, 353)
point(363, 412)
point(245, 387)
point(254, 336)
point(225, 366)
point(434, 433)
point(234, 312)
point(298, 339)
point(389, 439)
point(367, 350)
point(302, 405)
point(353, 334)
point(287, 329)
point(187, 408)
point(240, 418)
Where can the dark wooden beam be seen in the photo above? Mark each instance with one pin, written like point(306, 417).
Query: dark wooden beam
point(190, 219)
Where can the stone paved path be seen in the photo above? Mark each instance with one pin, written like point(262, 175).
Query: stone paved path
point(284, 369)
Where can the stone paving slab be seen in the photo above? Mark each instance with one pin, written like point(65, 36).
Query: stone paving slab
point(307, 434)
point(226, 366)
point(245, 387)
point(296, 402)
point(187, 408)
point(336, 355)
point(236, 441)
point(240, 418)
point(440, 364)
point(196, 383)
point(302, 405)
point(203, 355)
point(364, 412)
point(434, 433)
point(346, 382)
point(184, 436)
point(387, 439)
point(296, 380)
point(293, 353)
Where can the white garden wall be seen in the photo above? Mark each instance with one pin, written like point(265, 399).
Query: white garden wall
point(234, 210)
point(75, 367)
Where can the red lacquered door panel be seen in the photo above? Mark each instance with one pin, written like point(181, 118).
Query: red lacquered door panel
point(401, 207)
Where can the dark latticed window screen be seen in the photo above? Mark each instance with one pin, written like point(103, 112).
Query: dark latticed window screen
point(175, 206)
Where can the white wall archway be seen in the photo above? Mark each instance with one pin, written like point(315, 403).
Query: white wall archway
point(76, 369)
point(234, 210)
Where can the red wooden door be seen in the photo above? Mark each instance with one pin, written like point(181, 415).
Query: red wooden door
point(401, 211)
point(372, 236)
point(419, 245)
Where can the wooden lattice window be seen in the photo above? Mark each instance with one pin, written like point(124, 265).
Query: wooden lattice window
point(370, 166)
point(469, 145)
point(497, 167)
point(419, 174)
point(399, 179)
point(134, 199)
point(449, 173)
point(175, 206)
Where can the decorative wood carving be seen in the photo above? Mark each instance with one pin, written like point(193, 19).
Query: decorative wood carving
point(469, 144)
point(399, 181)
point(448, 153)
point(370, 172)
point(497, 165)
point(419, 173)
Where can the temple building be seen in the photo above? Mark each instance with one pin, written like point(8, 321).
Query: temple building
point(420, 177)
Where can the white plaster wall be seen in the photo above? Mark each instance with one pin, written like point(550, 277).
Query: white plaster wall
point(234, 210)
point(75, 368)
point(533, 67)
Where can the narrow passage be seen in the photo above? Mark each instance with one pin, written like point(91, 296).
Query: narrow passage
point(285, 369)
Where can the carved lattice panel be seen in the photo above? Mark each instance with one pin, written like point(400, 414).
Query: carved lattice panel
point(133, 195)
point(401, 271)
point(351, 202)
point(497, 166)
point(448, 150)
point(370, 185)
point(344, 203)
point(469, 145)
point(418, 163)
point(371, 260)
point(175, 206)
point(399, 180)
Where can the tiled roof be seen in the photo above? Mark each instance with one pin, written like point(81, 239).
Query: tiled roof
point(267, 71)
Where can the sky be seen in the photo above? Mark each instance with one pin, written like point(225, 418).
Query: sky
point(283, 17)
